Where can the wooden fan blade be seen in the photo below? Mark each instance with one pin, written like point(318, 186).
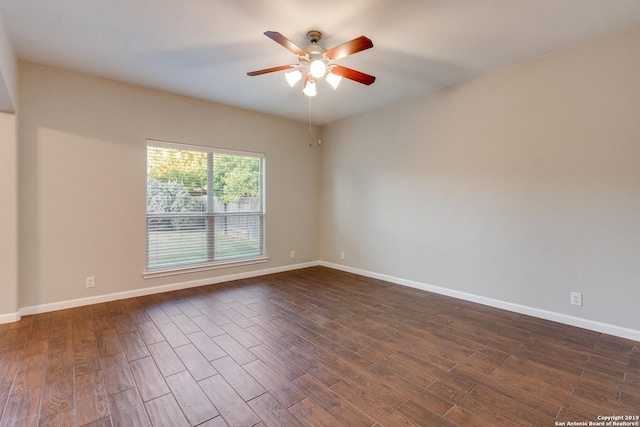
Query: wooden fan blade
point(279, 38)
point(349, 48)
point(354, 75)
point(271, 70)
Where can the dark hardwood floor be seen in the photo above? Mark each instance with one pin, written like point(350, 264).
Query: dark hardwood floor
point(313, 347)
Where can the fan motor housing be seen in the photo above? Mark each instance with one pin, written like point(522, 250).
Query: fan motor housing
point(314, 51)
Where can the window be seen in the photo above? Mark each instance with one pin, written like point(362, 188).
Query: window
point(205, 206)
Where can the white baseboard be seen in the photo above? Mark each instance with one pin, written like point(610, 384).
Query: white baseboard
point(517, 308)
point(579, 322)
point(9, 318)
point(62, 305)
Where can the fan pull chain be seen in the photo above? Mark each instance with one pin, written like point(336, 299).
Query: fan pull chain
point(309, 121)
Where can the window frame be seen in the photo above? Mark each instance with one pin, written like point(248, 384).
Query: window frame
point(209, 215)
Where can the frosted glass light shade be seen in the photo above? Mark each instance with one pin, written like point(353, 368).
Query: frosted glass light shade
point(334, 80)
point(310, 88)
point(293, 77)
point(318, 68)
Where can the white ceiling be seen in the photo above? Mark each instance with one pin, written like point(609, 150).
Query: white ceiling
point(204, 48)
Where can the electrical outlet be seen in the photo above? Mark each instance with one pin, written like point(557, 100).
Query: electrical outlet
point(576, 298)
point(293, 254)
point(90, 282)
point(342, 256)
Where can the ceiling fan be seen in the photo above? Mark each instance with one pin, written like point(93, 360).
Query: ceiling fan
point(316, 62)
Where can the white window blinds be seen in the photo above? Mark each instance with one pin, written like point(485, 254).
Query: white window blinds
point(204, 205)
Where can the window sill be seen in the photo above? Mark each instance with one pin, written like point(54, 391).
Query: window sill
point(202, 267)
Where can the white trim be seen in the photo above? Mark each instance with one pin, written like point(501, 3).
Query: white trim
point(202, 267)
point(9, 318)
point(579, 322)
point(62, 305)
point(202, 148)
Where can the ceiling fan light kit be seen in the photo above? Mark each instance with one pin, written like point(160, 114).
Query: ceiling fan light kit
point(315, 62)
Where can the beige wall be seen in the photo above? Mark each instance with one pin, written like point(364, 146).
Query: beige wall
point(8, 219)
point(8, 183)
point(82, 177)
point(8, 85)
point(520, 186)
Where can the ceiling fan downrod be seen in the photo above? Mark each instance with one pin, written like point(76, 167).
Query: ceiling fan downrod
point(314, 36)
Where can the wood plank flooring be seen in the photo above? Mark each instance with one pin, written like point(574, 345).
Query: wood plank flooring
point(312, 347)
